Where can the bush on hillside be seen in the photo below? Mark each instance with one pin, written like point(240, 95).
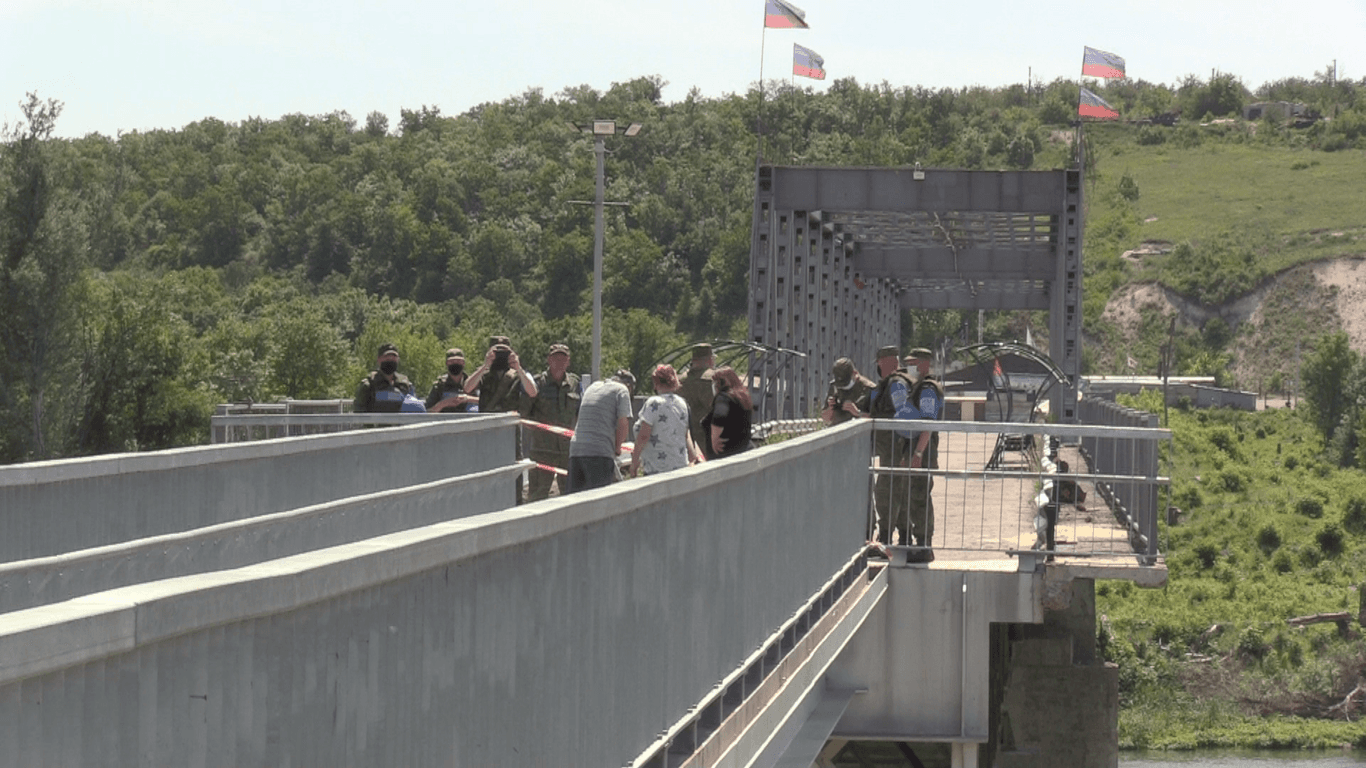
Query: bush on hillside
point(1268, 538)
point(1310, 507)
point(1330, 540)
point(1354, 518)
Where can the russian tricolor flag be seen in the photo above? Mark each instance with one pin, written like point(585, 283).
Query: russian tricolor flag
point(1091, 105)
point(807, 63)
point(781, 14)
point(1096, 63)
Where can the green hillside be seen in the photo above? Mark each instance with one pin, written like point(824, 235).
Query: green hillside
point(1270, 531)
point(149, 275)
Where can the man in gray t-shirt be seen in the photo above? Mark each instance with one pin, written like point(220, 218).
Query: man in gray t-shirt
point(604, 423)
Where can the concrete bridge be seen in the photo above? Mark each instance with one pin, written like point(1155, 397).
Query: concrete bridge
point(373, 597)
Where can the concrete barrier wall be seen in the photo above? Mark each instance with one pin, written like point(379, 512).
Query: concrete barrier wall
point(567, 632)
point(47, 580)
point(50, 508)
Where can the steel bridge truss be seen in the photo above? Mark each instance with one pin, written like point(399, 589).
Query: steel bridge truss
point(837, 253)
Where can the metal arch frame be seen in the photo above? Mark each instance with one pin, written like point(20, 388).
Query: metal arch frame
point(988, 352)
point(837, 253)
point(730, 352)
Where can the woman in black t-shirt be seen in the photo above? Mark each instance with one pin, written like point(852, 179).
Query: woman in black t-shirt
point(731, 411)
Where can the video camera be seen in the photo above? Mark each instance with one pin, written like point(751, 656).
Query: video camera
point(502, 350)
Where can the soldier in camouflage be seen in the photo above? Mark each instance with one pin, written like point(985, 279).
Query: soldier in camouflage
point(696, 391)
point(848, 395)
point(556, 402)
point(383, 390)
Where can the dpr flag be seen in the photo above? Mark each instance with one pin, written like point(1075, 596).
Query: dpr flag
point(781, 14)
point(1092, 105)
point(1101, 64)
point(807, 63)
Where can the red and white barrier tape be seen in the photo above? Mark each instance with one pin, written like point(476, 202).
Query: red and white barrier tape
point(626, 448)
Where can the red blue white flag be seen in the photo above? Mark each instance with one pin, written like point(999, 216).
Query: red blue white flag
point(807, 63)
point(1092, 105)
point(1096, 63)
point(781, 14)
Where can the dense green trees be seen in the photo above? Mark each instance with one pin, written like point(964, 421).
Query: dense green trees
point(149, 275)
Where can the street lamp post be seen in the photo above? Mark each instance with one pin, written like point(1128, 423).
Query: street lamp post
point(599, 151)
point(600, 130)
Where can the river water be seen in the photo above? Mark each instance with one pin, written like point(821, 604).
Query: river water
point(1240, 759)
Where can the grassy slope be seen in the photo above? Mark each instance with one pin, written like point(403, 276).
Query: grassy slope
point(1255, 681)
point(1194, 192)
point(1244, 210)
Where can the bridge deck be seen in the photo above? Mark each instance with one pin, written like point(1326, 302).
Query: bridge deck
point(978, 521)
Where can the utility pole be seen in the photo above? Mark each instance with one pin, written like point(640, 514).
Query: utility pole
point(600, 129)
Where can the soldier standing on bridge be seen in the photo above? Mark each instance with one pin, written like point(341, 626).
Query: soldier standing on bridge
point(447, 394)
point(927, 398)
point(498, 377)
point(696, 390)
point(556, 402)
point(848, 395)
point(891, 400)
point(383, 390)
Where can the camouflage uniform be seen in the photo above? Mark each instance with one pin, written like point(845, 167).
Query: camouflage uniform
point(891, 493)
point(445, 387)
point(858, 394)
point(695, 389)
point(375, 394)
point(555, 403)
point(498, 392)
point(922, 505)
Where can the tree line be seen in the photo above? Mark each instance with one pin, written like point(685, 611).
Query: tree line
point(147, 276)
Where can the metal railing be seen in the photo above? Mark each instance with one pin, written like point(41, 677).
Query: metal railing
point(246, 427)
point(1038, 494)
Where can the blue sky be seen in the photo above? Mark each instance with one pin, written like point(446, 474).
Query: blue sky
point(124, 65)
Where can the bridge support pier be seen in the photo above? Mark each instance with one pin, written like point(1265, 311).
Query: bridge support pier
point(1058, 703)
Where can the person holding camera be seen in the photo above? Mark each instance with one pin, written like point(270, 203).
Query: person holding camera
point(848, 396)
point(498, 377)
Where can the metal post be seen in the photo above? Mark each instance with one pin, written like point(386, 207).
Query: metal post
point(599, 151)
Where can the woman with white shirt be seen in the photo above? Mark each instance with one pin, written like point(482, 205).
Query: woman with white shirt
point(663, 441)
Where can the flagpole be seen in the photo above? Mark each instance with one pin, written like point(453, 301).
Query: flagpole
point(759, 127)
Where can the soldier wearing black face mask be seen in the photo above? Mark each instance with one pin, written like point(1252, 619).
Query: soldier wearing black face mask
point(383, 390)
point(448, 393)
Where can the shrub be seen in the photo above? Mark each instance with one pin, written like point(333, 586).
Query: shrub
point(1151, 136)
point(1290, 461)
point(1282, 562)
point(1310, 507)
point(1233, 481)
point(1251, 644)
point(1330, 540)
point(1268, 538)
point(1188, 498)
point(1223, 440)
point(1335, 142)
point(1128, 188)
point(1207, 554)
point(1354, 518)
